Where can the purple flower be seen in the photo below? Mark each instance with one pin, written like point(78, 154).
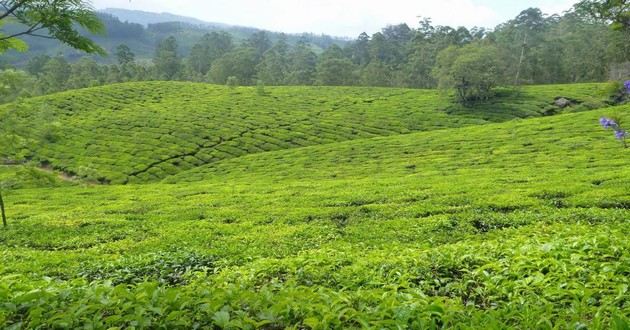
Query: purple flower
point(626, 85)
point(607, 122)
point(620, 133)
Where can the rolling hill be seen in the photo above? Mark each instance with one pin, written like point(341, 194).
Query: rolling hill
point(143, 132)
point(429, 216)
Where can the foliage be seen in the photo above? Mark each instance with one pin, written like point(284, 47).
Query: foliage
point(167, 62)
point(334, 69)
point(615, 125)
point(232, 82)
point(470, 70)
point(56, 19)
point(616, 11)
point(14, 84)
point(260, 88)
point(168, 268)
point(124, 55)
point(139, 132)
point(532, 48)
point(619, 92)
point(185, 205)
point(525, 228)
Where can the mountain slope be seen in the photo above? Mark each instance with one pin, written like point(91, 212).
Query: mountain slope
point(142, 132)
point(122, 28)
point(145, 18)
point(533, 149)
point(521, 224)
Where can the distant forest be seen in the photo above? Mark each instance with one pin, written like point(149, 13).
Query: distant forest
point(532, 48)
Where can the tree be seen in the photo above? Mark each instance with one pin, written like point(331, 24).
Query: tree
point(124, 55)
point(4, 215)
point(199, 60)
point(240, 63)
point(52, 19)
point(334, 69)
point(35, 65)
point(471, 70)
point(260, 42)
point(273, 67)
point(302, 62)
point(376, 74)
point(219, 44)
point(359, 50)
point(520, 40)
point(167, 62)
point(84, 73)
point(14, 84)
point(55, 75)
point(615, 11)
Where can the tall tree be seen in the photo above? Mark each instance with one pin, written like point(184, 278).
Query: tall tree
point(36, 64)
point(302, 62)
point(55, 75)
point(239, 63)
point(360, 50)
point(615, 11)
point(166, 60)
point(14, 84)
point(84, 73)
point(520, 40)
point(334, 69)
point(124, 55)
point(260, 42)
point(199, 60)
point(273, 68)
point(376, 74)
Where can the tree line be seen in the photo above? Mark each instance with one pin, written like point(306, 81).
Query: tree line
point(532, 48)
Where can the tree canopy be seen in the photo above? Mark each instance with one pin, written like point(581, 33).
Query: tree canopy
point(53, 19)
point(615, 11)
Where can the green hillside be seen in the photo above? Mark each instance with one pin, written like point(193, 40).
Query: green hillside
point(143, 132)
point(332, 208)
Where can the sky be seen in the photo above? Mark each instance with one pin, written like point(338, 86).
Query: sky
point(344, 18)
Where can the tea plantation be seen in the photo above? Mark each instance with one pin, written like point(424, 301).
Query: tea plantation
point(143, 132)
point(317, 208)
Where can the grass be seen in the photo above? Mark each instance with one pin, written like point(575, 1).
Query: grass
point(146, 132)
point(423, 219)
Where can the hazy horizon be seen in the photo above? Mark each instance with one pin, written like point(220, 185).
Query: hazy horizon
point(344, 19)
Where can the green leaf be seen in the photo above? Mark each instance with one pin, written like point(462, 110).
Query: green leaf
point(221, 319)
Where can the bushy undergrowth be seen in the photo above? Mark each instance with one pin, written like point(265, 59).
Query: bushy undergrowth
point(143, 132)
point(521, 224)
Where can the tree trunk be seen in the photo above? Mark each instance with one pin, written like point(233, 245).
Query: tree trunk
point(520, 61)
point(4, 217)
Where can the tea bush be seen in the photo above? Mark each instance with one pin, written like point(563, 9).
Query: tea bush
point(517, 224)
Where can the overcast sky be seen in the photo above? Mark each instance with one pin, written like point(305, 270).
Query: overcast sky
point(342, 17)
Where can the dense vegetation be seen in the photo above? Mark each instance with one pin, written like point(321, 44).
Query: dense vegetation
point(141, 31)
point(179, 205)
point(530, 49)
point(138, 132)
point(516, 224)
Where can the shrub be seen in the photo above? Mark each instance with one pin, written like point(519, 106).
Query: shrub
point(618, 92)
point(260, 88)
point(232, 82)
